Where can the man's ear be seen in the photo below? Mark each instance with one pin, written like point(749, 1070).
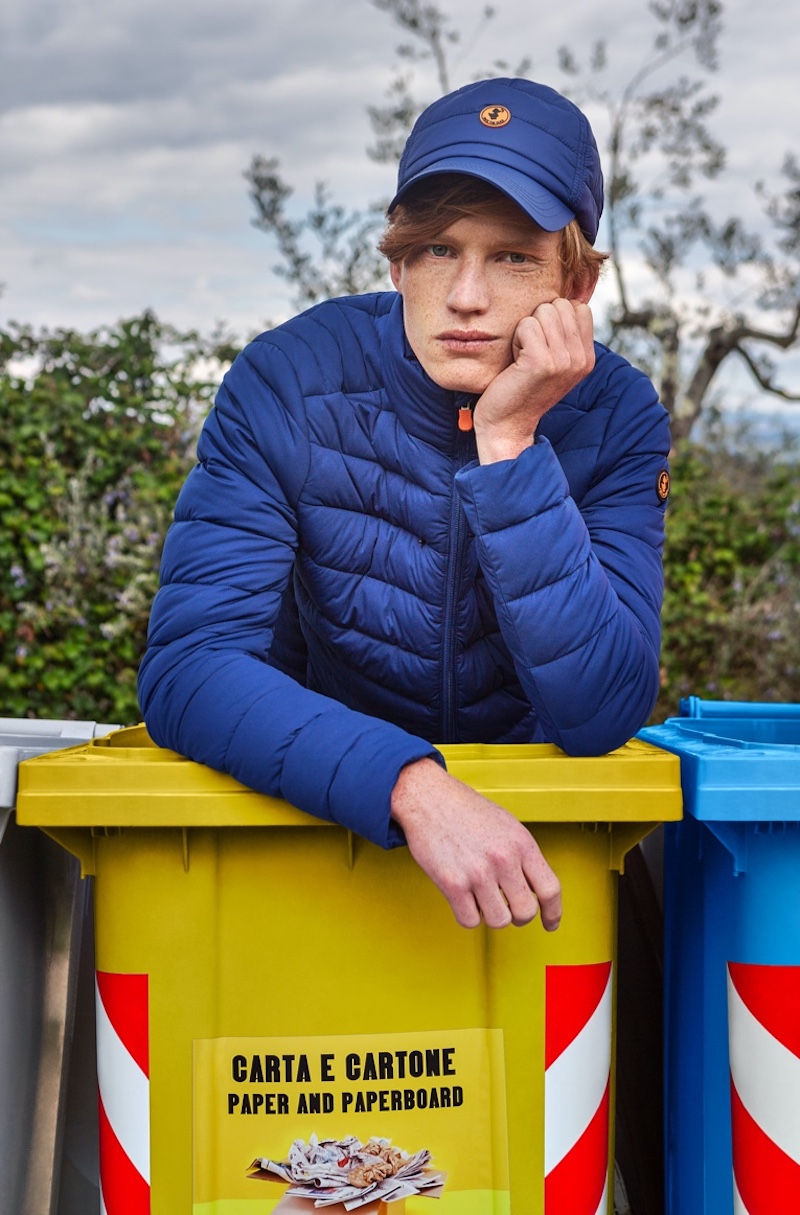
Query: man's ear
point(396, 275)
point(583, 288)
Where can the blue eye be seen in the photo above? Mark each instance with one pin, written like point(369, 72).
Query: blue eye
point(440, 250)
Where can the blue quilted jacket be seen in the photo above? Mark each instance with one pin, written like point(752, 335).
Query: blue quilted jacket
point(345, 586)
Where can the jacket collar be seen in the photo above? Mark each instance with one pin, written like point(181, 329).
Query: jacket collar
point(425, 410)
point(430, 413)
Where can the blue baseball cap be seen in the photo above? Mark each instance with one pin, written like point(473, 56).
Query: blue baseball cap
point(521, 137)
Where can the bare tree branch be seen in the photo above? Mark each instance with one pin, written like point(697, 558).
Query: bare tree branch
point(784, 340)
point(763, 380)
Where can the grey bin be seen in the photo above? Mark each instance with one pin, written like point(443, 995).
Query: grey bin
point(44, 909)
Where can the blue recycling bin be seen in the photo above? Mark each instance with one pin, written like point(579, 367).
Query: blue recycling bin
point(732, 960)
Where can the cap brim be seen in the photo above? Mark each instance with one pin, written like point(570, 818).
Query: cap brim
point(537, 202)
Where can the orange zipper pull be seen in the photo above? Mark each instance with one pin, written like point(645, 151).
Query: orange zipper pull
point(465, 417)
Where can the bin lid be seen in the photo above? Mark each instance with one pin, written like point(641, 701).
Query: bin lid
point(736, 767)
point(126, 780)
point(22, 738)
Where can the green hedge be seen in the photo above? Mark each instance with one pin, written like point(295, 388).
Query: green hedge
point(732, 569)
point(99, 433)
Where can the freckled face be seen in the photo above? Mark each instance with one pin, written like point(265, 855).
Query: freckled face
point(465, 294)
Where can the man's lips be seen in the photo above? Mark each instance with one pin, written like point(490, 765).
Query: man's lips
point(465, 339)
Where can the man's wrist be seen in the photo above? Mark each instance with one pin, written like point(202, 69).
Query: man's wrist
point(492, 448)
point(407, 800)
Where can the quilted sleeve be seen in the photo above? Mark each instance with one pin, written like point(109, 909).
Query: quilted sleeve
point(578, 591)
point(206, 685)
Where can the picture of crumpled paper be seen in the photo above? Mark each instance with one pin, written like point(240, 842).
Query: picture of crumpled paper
point(347, 1171)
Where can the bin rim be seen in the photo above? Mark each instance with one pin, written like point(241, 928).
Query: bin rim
point(125, 780)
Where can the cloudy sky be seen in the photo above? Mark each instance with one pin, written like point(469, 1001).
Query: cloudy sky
point(126, 125)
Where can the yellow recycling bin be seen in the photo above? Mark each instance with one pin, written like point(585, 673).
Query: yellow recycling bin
point(290, 1019)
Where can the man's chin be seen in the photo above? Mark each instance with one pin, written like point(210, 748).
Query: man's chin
point(465, 379)
point(470, 373)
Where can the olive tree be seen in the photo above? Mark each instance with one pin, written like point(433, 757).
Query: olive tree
point(692, 291)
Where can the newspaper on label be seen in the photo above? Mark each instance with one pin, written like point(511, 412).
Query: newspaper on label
point(347, 1171)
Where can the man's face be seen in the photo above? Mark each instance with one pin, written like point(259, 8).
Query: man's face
point(465, 294)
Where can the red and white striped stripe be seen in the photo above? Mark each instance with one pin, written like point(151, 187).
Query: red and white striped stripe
point(123, 1077)
point(577, 1083)
point(764, 1043)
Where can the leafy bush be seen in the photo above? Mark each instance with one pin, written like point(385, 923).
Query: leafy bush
point(100, 431)
point(732, 565)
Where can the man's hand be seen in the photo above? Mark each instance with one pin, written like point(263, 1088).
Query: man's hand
point(553, 350)
point(486, 863)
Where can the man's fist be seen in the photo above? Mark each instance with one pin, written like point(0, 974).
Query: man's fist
point(553, 350)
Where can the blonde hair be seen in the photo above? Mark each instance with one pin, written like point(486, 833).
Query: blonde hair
point(443, 199)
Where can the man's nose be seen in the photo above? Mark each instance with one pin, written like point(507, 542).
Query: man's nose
point(469, 289)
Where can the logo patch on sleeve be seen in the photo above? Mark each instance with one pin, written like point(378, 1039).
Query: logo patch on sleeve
point(662, 485)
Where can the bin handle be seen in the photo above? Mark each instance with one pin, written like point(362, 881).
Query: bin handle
point(695, 706)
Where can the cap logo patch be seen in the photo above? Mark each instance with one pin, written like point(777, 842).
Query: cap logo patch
point(662, 486)
point(495, 116)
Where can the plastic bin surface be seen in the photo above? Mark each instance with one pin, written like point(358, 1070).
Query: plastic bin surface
point(732, 960)
point(23, 738)
point(36, 961)
point(264, 977)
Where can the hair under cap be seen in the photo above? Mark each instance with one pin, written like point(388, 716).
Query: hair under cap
point(524, 138)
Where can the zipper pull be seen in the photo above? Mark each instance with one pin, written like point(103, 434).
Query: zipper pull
point(465, 416)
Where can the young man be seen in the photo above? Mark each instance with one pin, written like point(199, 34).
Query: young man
point(429, 516)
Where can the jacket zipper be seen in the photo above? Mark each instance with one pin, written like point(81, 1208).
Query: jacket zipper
point(463, 450)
